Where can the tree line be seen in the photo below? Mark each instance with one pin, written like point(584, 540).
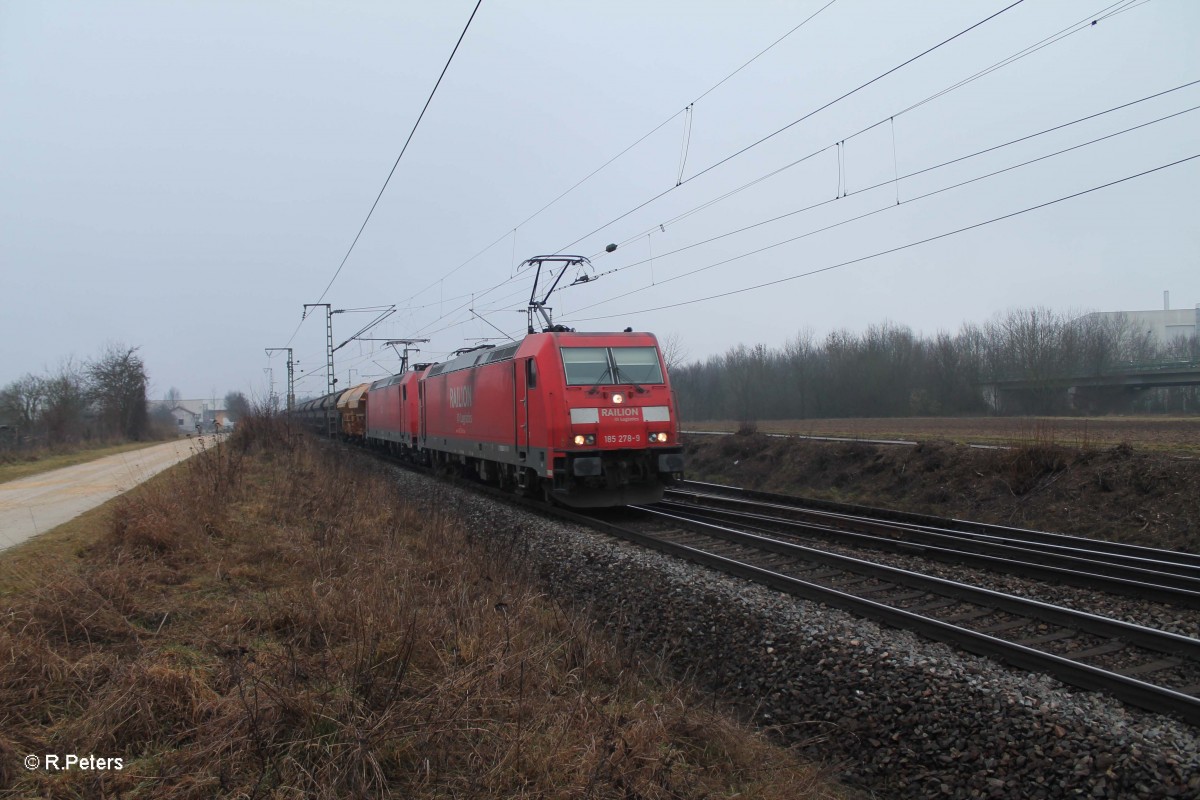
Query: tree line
point(889, 371)
point(101, 398)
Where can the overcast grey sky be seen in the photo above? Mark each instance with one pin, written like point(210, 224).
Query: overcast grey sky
point(183, 176)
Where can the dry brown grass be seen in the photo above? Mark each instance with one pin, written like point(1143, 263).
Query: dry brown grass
point(270, 620)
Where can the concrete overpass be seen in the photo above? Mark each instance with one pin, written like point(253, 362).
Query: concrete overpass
point(1093, 391)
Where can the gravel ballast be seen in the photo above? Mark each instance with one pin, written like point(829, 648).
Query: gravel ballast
point(899, 716)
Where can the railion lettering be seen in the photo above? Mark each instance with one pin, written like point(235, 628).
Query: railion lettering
point(461, 397)
point(621, 411)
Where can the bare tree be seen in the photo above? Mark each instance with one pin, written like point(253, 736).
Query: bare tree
point(66, 401)
point(673, 351)
point(22, 401)
point(799, 357)
point(118, 388)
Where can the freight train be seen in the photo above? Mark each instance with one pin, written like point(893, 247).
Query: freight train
point(581, 419)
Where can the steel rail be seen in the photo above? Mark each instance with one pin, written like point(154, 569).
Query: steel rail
point(1138, 582)
point(1181, 575)
point(1149, 638)
point(1130, 690)
point(1132, 551)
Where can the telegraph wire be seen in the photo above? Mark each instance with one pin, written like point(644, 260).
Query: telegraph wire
point(899, 248)
point(411, 133)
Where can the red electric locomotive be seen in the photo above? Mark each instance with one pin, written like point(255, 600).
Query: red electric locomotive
point(393, 413)
point(587, 418)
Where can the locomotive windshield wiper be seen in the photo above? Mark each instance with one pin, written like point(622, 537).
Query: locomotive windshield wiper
point(630, 381)
point(596, 386)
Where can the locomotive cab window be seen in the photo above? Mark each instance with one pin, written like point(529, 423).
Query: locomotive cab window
point(637, 364)
point(591, 366)
point(585, 365)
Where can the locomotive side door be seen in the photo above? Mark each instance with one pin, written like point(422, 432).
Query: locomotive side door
point(421, 413)
point(524, 380)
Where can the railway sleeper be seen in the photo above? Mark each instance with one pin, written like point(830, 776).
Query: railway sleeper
point(967, 616)
point(1001, 627)
point(1115, 646)
point(1062, 633)
point(1152, 666)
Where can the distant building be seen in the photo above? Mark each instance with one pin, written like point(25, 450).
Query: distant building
point(188, 413)
point(1165, 326)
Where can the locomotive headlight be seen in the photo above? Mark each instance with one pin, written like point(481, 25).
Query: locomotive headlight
point(658, 437)
point(618, 398)
point(579, 439)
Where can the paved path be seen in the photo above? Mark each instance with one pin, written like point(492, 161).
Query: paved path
point(36, 504)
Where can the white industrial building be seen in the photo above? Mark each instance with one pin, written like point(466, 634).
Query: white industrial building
point(1166, 325)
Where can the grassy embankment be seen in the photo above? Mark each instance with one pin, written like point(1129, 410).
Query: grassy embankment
point(21, 465)
point(269, 619)
point(1176, 435)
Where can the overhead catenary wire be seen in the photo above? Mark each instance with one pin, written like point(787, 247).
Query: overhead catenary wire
point(836, 145)
point(1085, 24)
point(395, 164)
point(1090, 21)
point(888, 207)
point(933, 167)
point(899, 248)
point(1121, 7)
point(1096, 16)
point(743, 150)
point(989, 149)
point(631, 146)
point(795, 122)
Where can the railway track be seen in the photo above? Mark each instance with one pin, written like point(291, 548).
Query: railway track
point(1146, 573)
point(1151, 669)
point(1148, 668)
